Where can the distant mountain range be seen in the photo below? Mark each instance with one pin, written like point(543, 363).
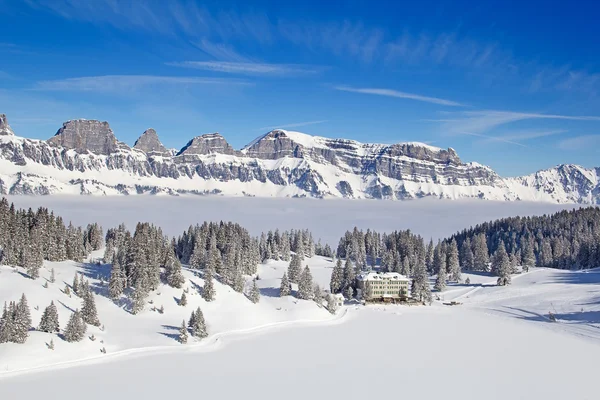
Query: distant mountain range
point(85, 157)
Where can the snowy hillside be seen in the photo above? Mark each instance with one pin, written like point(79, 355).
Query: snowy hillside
point(230, 314)
point(85, 157)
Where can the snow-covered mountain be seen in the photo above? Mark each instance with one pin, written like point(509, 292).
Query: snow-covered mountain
point(85, 157)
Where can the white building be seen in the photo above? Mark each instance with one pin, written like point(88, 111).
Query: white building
point(383, 285)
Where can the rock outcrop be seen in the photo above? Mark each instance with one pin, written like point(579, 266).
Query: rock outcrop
point(5, 129)
point(150, 144)
point(210, 143)
point(84, 135)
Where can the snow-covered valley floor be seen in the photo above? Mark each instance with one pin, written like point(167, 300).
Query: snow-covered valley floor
point(498, 344)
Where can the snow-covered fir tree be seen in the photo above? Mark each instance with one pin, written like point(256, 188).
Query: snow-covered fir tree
point(117, 280)
point(349, 274)
point(183, 300)
point(285, 289)
point(198, 326)
point(49, 322)
point(349, 292)
point(89, 314)
point(317, 294)
point(305, 285)
point(75, 329)
point(331, 304)
point(183, 333)
point(6, 325)
point(208, 290)
point(294, 269)
point(453, 262)
point(466, 255)
point(481, 256)
point(420, 284)
point(337, 278)
point(52, 276)
point(501, 265)
point(138, 298)
point(75, 285)
point(254, 294)
point(21, 321)
point(173, 273)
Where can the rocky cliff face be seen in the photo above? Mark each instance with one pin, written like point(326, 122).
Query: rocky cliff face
point(280, 163)
point(86, 135)
point(211, 143)
point(5, 129)
point(150, 144)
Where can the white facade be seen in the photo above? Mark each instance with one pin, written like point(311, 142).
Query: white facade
point(376, 285)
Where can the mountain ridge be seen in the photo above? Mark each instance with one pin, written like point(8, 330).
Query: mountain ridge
point(85, 157)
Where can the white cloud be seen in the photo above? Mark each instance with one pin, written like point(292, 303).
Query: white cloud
point(292, 125)
point(580, 142)
point(121, 83)
point(248, 68)
point(398, 94)
point(486, 120)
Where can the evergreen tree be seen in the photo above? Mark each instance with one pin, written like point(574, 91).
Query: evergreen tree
point(349, 274)
point(199, 325)
point(349, 293)
point(420, 284)
point(501, 265)
point(75, 329)
point(453, 261)
point(429, 258)
point(173, 273)
point(89, 314)
point(295, 269)
point(481, 256)
point(52, 276)
point(305, 285)
point(6, 325)
point(442, 277)
point(51, 344)
point(528, 256)
point(317, 294)
point(466, 255)
point(331, 304)
point(285, 288)
point(75, 285)
point(183, 300)
point(254, 295)
point(238, 281)
point(117, 280)
point(208, 290)
point(337, 278)
point(138, 299)
point(183, 333)
point(49, 321)
point(21, 321)
point(192, 320)
point(439, 258)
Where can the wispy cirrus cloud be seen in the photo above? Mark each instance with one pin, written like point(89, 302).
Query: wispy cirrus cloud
point(486, 120)
point(292, 125)
point(121, 83)
point(580, 142)
point(249, 68)
point(401, 95)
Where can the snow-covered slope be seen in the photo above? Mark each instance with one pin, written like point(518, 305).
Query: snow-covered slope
point(84, 157)
point(124, 333)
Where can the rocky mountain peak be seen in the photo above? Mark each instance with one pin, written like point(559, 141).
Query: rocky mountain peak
point(150, 144)
point(209, 143)
point(5, 129)
point(84, 135)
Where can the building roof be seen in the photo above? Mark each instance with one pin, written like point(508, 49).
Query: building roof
point(375, 276)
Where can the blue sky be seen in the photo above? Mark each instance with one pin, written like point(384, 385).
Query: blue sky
point(511, 85)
